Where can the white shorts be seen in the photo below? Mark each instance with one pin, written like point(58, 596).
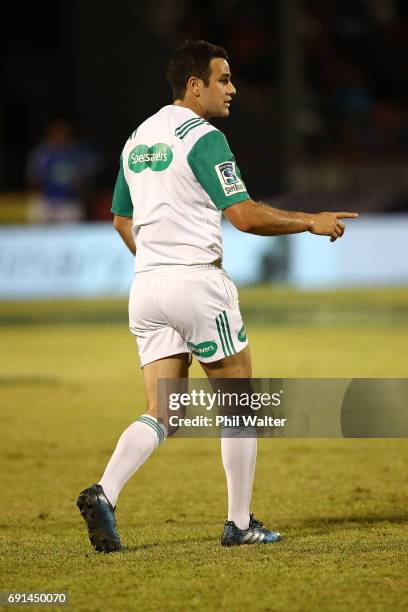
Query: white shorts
point(174, 311)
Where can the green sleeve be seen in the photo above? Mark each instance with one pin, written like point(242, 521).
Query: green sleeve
point(121, 201)
point(214, 167)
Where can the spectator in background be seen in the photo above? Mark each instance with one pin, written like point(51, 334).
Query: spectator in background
point(61, 172)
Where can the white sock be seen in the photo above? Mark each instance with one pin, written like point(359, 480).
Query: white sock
point(134, 446)
point(238, 458)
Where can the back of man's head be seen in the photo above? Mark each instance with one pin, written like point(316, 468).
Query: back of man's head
point(192, 58)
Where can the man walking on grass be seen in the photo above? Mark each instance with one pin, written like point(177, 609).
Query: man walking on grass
point(177, 177)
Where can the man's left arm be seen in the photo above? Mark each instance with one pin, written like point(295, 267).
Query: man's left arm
point(123, 225)
point(122, 208)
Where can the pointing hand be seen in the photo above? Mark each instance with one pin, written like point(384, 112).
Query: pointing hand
point(328, 224)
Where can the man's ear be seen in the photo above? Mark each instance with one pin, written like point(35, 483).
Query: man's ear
point(193, 85)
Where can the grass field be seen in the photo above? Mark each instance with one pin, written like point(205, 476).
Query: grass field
point(69, 384)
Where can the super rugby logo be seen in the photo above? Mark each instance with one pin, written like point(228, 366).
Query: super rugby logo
point(158, 157)
point(229, 179)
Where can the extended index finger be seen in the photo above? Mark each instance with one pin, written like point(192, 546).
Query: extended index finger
point(346, 215)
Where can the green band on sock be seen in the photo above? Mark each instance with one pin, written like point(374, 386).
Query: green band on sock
point(155, 425)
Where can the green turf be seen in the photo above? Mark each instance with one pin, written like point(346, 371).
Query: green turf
point(68, 388)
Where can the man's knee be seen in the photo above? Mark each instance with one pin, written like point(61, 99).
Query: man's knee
point(152, 410)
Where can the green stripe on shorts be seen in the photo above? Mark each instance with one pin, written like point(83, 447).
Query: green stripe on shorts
point(224, 333)
point(220, 335)
point(228, 331)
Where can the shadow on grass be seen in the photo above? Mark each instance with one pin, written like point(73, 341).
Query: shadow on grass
point(351, 521)
point(168, 543)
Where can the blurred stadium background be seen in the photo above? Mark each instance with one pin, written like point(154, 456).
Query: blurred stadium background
point(320, 122)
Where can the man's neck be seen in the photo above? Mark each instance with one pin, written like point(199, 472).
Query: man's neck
point(192, 104)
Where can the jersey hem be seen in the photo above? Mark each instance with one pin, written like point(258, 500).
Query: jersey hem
point(176, 269)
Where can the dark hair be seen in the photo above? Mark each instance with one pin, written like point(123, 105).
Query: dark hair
point(192, 58)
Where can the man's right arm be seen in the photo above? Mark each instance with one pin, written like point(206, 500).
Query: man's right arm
point(253, 218)
point(215, 168)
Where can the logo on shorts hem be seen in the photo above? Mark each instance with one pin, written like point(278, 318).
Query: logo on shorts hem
point(229, 179)
point(203, 349)
point(242, 334)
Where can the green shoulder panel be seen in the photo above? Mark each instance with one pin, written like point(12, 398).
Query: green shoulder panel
point(121, 201)
point(214, 167)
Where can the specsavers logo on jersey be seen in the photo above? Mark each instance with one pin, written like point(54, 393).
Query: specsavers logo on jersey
point(229, 179)
point(158, 157)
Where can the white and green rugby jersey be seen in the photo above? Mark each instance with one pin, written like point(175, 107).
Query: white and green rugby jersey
point(177, 174)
